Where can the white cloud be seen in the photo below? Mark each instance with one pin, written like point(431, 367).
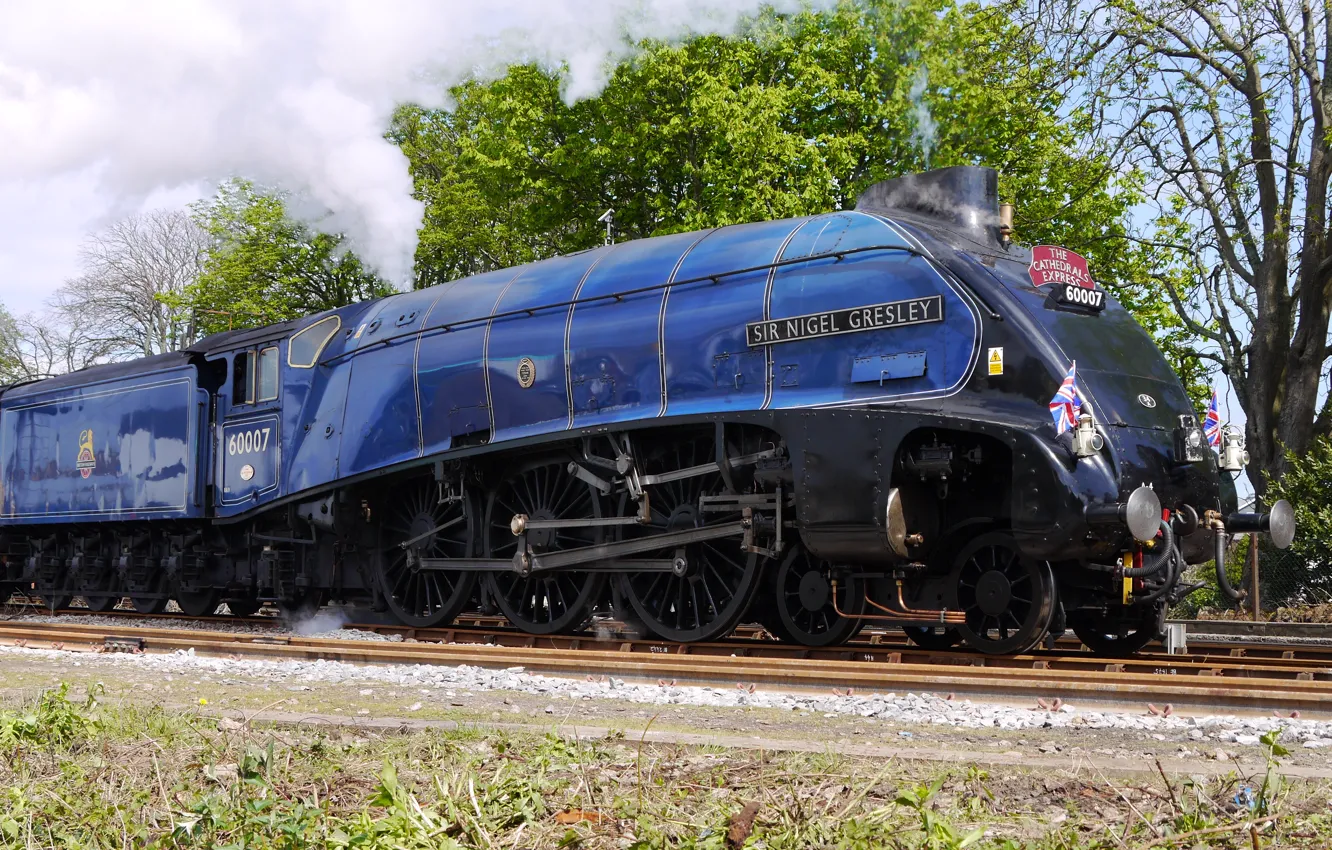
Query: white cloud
point(105, 102)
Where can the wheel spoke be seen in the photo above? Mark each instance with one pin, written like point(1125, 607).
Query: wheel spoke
point(543, 604)
point(424, 598)
point(722, 583)
point(708, 600)
point(693, 596)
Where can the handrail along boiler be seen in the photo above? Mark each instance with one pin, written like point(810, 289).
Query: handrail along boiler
point(811, 423)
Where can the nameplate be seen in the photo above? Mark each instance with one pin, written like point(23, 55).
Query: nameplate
point(873, 317)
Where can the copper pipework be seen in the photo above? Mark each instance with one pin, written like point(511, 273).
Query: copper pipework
point(903, 614)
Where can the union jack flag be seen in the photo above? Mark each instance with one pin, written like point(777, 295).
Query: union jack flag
point(1067, 403)
point(1212, 424)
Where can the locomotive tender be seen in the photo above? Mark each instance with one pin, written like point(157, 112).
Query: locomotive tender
point(814, 423)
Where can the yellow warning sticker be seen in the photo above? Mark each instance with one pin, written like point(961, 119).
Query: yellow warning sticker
point(996, 361)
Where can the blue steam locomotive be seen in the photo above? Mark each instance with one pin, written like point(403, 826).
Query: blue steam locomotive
point(813, 423)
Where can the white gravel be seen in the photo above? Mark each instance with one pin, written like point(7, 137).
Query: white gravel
point(439, 683)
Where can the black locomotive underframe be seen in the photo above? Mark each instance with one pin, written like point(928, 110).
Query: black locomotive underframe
point(813, 492)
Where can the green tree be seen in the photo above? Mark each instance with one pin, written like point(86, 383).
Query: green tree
point(796, 115)
point(262, 266)
point(11, 360)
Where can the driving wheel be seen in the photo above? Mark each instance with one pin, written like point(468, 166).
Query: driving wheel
point(420, 526)
point(243, 607)
point(97, 587)
point(543, 602)
point(720, 578)
point(53, 600)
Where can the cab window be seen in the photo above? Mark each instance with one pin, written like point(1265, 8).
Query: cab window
point(254, 376)
point(267, 374)
point(242, 378)
point(306, 345)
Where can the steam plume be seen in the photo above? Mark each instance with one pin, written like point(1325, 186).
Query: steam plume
point(153, 94)
point(924, 130)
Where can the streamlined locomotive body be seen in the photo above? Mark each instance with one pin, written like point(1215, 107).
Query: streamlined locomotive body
point(813, 423)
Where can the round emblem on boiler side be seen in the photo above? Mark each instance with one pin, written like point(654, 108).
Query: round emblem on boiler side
point(246, 472)
point(526, 373)
point(1146, 400)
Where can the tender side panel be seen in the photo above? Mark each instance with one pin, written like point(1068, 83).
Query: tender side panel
point(117, 450)
point(382, 424)
point(451, 379)
point(709, 365)
point(615, 350)
point(873, 326)
point(525, 353)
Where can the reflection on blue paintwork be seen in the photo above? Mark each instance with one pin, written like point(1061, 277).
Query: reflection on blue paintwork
point(143, 431)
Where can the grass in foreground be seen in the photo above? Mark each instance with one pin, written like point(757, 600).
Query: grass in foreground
point(78, 773)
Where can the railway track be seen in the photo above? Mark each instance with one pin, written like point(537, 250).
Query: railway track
point(1205, 657)
point(1198, 681)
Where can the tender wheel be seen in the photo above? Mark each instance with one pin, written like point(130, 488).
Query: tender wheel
point(720, 578)
point(1008, 598)
point(1118, 636)
point(243, 607)
point(804, 601)
point(426, 597)
point(102, 582)
point(543, 603)
point(53, 593)
point(933, 637)
point(147, 605)
point(54, 601)
point(201, 603)
point(101, 603)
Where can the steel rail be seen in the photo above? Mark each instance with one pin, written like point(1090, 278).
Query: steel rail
point(1301, 656)
point(893, 671)
point(749, 638)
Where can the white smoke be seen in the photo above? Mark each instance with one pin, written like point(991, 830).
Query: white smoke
point(321, 621)
point(924, 131)
point(153, 94)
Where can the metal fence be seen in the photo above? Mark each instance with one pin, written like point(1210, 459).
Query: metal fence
point(1285, 580)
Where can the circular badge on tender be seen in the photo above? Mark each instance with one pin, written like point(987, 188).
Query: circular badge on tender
point(246, 472)
point(526, 373)
point(1146, 400)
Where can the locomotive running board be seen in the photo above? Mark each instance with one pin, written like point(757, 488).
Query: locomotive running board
point(587, 557)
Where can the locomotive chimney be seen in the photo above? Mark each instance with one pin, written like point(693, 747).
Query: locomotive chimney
point(964, 198)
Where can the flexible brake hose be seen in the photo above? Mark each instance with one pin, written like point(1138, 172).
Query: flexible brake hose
point(1176, 563)
point(1223, 580)
point(1158, 559)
